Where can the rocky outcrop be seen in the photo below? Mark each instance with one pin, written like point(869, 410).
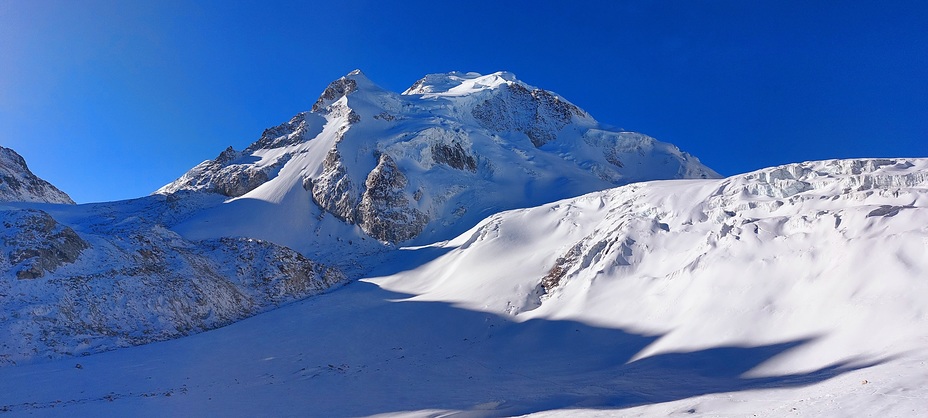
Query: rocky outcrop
point(290, 133)
point(138, 283)
point(231, 174)
point(386, 210)
point(454, 156)
point(537, 113)
point(336, 90)
point(18, 184)
point(333, 190)
point(36, 244)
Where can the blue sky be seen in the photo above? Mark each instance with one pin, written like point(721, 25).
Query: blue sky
point(112, 99)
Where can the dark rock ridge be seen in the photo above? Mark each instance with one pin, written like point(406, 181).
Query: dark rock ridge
point(537, 113)
point(285, 134)
point(333, 190)
point(454, 156)
point(228, 177)
point(336, 90)
point(18, 184)
point(39, 245)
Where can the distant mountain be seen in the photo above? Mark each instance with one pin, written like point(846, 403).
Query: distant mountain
point(18, 184)
point(430, 162)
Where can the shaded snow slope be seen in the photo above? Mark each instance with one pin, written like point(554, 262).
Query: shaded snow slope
point(798, 289)
point(18, 184)
point(423, 165)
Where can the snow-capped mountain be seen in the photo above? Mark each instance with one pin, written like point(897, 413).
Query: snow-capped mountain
point(428, 163)
point(294, 213)
point(18, 184)
point(792, 290)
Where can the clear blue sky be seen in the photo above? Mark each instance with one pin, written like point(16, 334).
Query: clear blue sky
point(112, 99)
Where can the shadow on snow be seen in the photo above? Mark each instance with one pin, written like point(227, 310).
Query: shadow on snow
point(364, 350)
point(413, 356)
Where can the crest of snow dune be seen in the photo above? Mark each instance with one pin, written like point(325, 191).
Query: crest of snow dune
point(432, 161)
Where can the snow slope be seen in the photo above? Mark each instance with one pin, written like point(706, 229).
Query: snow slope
point(793, 290)
point(424, 165)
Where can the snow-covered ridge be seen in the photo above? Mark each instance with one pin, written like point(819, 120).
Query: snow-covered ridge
point(82, 279)
point(457, 146)
point(635, 230)
point(460, 84)
point(18, 184)
point(831, 254)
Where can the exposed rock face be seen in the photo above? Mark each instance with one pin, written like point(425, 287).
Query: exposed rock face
point(227, 175)
point(285, 134)
point(333, 190)
point(561, 267)
point(537, 113)
point(336, 90)
point(38, 244)
point(386, 211)
point(18, 184)
point(454, 156)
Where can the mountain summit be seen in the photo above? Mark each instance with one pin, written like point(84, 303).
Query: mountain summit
point(430, 162)
point(18, 184)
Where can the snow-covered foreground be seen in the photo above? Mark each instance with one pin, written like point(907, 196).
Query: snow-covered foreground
point(364, 350)
point(795, 290)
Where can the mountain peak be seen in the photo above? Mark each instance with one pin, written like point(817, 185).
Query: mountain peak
point(18, 184)
point(361, 79)
point(347, 84)
point(430, 163)
point(457, 83)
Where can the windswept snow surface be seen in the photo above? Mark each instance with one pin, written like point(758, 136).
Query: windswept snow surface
point(795, 290)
